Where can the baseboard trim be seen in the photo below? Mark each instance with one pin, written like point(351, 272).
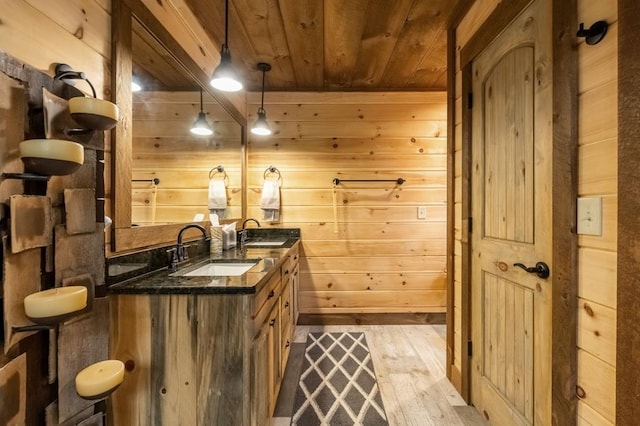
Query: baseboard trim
point(372, 319)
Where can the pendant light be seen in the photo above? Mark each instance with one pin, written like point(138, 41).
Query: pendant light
point(261, 126)
point(224, 76)
point(201, 126)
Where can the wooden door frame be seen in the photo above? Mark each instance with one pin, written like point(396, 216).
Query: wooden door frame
point(564, 193)
point(628, 296)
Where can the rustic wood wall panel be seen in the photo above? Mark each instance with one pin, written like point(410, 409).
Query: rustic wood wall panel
point(41, 34)
point(163, 148)
point(377, 256)
point(598, 177)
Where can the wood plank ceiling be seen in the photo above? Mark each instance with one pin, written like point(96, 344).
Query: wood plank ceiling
point(334, 45)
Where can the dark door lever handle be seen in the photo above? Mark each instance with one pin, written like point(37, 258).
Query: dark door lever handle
point(541, 269)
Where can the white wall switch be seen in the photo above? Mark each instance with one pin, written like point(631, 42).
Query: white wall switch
point(422, 212)
point(590, 215)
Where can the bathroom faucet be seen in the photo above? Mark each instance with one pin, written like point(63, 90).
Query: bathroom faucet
point(247, 220)
point(243, 231)
point(180, 253)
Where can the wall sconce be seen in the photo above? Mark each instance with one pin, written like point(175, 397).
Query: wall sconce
point(594, 34)
point(261, 125)
point(201, 126)
point(224, 76)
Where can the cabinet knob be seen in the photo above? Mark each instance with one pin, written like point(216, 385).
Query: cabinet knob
point(271, 294)
point(287, 345)
point(272, 322)
point(286, 304)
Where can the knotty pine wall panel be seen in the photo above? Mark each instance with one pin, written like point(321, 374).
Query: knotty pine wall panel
point(370, 253)
point(598, 177)
point(163, 148)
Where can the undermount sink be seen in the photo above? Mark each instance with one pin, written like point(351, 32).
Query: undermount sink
point(218, 269)
point(264, 243)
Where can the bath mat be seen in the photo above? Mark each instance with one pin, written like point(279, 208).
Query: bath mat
point(337, 385)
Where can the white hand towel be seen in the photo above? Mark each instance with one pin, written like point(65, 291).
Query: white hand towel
point(270, 202)
point(217, 199)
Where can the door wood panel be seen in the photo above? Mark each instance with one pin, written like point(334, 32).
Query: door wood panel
point(511, 203)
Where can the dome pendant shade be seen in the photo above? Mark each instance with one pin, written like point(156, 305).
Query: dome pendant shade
point(201, 126)
point(261, 126)
point(224, 76)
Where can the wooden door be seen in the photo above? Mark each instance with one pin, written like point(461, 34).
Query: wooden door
point(511, 213)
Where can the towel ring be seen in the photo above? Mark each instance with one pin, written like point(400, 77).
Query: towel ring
point(272, 170)
point(217, 170)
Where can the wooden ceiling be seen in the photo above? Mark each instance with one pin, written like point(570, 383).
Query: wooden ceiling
point(334, 45)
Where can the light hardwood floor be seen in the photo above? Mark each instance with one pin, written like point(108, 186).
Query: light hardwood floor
point(409, 362)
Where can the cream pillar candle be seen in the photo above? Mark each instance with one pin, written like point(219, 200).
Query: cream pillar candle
point(100, 379)
point(55, 302)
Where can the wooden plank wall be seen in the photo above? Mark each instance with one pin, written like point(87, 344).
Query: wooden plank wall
point(163, 148)
point(382, 257)
point(477, 14)
point(597, 176)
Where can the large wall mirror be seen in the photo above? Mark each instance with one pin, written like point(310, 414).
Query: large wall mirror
point(162, 172)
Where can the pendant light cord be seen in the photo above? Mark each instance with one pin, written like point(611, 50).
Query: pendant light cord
point(262, 100)
point(226, 24)
point(201, 105)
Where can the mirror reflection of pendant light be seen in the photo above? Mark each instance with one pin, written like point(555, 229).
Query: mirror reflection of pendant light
point(135, 86)
point(224, 76)
point(261, 126)
point(201, 126)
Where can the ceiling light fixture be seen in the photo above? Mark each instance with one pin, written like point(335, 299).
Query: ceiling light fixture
point(261, 126)
point(224, 76)
point(201, 126)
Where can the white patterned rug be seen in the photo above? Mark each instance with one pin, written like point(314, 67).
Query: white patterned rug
point(337, 385)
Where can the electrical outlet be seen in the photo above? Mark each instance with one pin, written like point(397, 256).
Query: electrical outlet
point(590, 215)
point(422, 212)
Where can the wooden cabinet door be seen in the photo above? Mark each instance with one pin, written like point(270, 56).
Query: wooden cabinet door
point(273, 344)
point(259, 379)
point(295, 283)
point(511, 209)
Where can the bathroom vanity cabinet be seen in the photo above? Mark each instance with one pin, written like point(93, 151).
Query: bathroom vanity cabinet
point(204, 350)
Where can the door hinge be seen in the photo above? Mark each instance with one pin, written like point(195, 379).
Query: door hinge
point(469, 100)
point(469, 348)
point(470, 224)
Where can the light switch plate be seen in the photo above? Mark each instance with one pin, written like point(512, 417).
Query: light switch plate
point(590, 216)
point(422, 212)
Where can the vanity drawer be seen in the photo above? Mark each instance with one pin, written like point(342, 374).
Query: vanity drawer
point(264, 300)
point(286, 271)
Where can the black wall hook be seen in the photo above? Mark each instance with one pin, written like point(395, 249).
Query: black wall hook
point(594, 34)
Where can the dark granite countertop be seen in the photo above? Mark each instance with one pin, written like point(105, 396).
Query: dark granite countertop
point(164, 281)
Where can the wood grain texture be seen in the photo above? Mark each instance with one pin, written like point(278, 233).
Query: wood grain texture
point(13, 384)
point(21, 278)
point(222, 349)
point(372, 238)
point(82, 341)
point(201, 359)
point(565, 190)
point(627, 408)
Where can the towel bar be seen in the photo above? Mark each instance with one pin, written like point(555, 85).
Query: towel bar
point(399, 181)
